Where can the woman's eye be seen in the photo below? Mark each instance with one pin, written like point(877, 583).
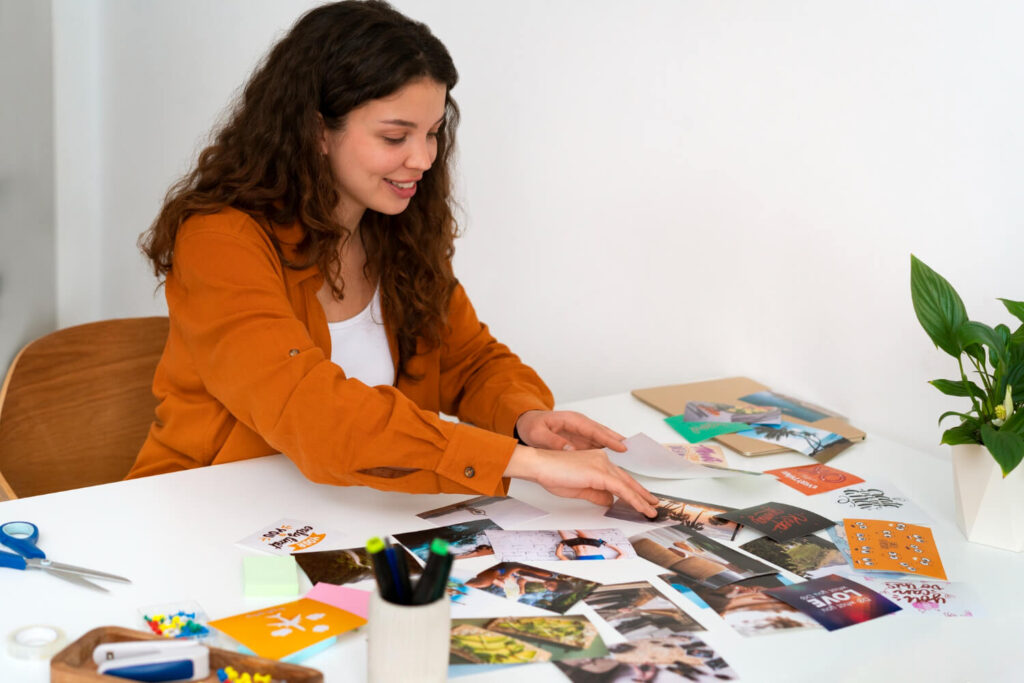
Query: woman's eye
point(394, 141)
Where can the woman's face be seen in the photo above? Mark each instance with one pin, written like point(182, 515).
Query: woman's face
point(384, 148)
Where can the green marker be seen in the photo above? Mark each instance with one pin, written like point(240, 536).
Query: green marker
point(432, 583)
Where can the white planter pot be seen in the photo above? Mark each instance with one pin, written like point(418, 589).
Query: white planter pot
point(989, 508)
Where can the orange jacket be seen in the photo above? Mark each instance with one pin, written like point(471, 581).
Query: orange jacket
point(247, 372)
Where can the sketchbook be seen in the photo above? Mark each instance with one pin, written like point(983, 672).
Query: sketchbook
point(672, 400)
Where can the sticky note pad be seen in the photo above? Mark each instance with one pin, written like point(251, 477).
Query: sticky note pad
point(267, 577)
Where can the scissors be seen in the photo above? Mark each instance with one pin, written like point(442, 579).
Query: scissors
point(21, 537)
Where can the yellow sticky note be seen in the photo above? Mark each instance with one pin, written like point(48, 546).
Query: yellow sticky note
point(277, 632)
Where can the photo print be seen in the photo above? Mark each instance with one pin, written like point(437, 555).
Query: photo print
point(465, 539)
point(806, 556)
point(701, 517)
point(745, 606)
point(705, 411)
point(779, 521)
point(699, 453)
point(696, 557)
point(793, 407)
point(503, 511)
point(684, 658)
point(639, 610)
point(532, 586)
point(521, 640)
point(561, 544)
point(835, 601)
point(820, 444)
point(346, 566)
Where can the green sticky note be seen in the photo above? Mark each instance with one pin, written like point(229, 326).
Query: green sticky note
point(695, 432)
point(270, 577)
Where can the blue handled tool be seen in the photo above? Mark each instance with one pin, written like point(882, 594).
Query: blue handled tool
point(21, 537)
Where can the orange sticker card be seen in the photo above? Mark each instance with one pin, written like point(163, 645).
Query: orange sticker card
point(277, 632)
point(880, 545)
point(812, 479)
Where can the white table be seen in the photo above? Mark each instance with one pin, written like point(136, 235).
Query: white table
point(175, 535)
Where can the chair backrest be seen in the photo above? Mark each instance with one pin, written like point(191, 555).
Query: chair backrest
point(76, 405)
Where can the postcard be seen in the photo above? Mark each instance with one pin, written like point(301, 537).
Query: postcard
point(933, 598)
point(695, 432)
point(502, 511)
point(745, 606)
point(639, 610)
point(699, 453)
point(812, 479)
point(696, 556)
point(277, 632)
point(290, 536)
point(646, 456)
point(521, 640)
point(683, 658)
point(352, 600)
point(779, 521)
point(671, 510)
point(465, 539)
point(879, 545)
point(873, 499)
point(561, 544)
point(801, 410)
point(820, 444)
point(835, 601)
point(806, 556)
point(706, 411)
point(532, 586)
point(838, 536)
point(345, 566)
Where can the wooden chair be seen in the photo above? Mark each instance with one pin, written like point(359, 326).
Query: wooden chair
point(76, 405)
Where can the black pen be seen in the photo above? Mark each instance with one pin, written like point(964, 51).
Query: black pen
point(400, 572)
point(375, 548)
point(434, 579)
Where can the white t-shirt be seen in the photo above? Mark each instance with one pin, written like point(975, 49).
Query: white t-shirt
point(360, 346)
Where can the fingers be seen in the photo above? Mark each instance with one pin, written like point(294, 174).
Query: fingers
point(588, 433)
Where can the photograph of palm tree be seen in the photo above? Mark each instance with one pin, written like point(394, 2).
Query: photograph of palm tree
point(820, 444)
point(807, 556)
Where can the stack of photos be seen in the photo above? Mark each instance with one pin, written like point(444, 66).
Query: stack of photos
point(563, 544)
point(501, 510)
point(806, 556)
point(638, 610)
point(683, 658)
point(693, 514)
point(533, 586)
point(706, 411)
point(465, 539)
point(346, 566)
point(521, 640)
point(745, 606)
point(697, 558)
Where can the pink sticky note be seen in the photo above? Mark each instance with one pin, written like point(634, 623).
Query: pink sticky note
point(349, 599)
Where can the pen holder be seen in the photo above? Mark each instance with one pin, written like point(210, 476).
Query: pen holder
point(408, 642)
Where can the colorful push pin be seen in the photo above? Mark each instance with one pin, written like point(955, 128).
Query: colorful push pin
point(245, 678)
point(261, 678)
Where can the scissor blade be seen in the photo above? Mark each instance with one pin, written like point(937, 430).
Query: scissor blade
point(72, 569)
point(75, 579)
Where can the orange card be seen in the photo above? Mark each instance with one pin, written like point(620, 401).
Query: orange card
point(811, 479)
point(277, 632)
point(879, 545)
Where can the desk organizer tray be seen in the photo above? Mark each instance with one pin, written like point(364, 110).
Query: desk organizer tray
point(74, 663)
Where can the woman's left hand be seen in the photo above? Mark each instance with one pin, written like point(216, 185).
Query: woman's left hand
point(565, 430)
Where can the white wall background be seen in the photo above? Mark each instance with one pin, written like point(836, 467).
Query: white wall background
point(653, 192)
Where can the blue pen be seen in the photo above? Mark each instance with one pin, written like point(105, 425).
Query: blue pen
point(400, 574)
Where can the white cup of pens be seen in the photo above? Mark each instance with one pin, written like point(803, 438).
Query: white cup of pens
point(409, 623)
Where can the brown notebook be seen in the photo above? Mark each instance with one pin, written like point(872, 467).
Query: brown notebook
point(672, 400)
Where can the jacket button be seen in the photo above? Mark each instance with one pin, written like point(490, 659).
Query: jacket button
point(469, 472)
point(293, 352)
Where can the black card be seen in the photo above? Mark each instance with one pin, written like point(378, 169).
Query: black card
point(778, 521)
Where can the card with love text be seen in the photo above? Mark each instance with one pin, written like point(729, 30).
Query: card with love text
point(834, 601)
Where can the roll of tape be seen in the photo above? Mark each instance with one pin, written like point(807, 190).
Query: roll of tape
point(38, 641)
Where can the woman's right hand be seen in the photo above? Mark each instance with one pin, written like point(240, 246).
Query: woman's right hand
point(588, 474)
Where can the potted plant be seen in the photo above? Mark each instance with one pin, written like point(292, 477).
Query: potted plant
point(988, 441)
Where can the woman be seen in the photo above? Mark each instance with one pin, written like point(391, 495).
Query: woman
point(313, 308)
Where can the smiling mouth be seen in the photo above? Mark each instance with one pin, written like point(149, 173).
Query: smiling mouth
point(402, 186)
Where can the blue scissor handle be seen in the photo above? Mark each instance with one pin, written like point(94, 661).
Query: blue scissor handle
point(21, 537)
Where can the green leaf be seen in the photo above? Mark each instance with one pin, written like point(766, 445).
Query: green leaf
point(1015, 424)
point(972, 332)
point(1016, 308)
point(1005, 446)
point(1017, 338)
point(961, 434)
point(965, 416)
point(1004, 333)
point(957, 387)
point(1014, 376)
point(938, 307)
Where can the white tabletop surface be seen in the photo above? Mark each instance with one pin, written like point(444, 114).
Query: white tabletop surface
point(175, 536)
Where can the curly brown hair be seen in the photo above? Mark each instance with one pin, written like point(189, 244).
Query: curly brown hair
point(266, 160)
